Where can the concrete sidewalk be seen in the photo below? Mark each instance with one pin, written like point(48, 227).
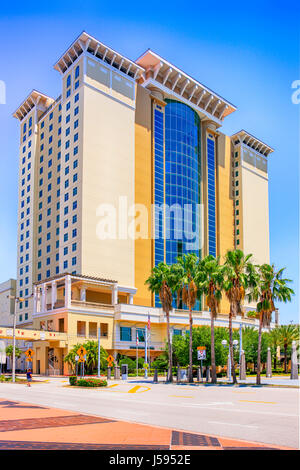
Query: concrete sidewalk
point(26, 426)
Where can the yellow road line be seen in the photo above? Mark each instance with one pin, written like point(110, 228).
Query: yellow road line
point(138, 387)
point(265, 402)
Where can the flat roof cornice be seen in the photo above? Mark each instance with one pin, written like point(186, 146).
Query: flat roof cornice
point(33, 99)
point(248, 139)
point(166, 75)
point(86, 42)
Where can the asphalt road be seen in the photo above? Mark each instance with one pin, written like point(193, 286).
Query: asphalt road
point(267, 415)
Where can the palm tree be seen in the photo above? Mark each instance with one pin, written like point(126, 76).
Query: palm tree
point(9, 352)
point(287, 334)
point(161, 282)
point(239, 276)
point(270, 287)
point(187, 272)
point(91, 355)
point(210, 281)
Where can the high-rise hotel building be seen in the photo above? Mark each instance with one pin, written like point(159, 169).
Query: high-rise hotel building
point(127, 132)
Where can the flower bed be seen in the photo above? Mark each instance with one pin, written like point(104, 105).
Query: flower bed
point(73, 380)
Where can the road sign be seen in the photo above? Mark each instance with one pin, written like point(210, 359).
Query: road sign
point(201, 353)
point(145, 365)
point(110, 359)
point(29, 353)
point(81, 351)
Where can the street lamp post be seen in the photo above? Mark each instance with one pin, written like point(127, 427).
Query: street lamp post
point(224, 344)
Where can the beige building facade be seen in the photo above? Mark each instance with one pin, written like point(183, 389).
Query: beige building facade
point(127, 142)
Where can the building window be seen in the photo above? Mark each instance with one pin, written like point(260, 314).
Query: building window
point(140, 332)
point(125, 333)
point(177, 332)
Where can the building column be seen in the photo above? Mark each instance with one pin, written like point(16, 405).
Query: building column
point(35, 291)
point(68, 291)
point(131, 299)
point(277, 318)
point(44, 297)
point(38, 300)
point(53, 293)
point(115, 294)
point(83, 294)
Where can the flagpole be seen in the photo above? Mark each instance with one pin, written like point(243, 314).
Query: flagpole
point(146, 347)
point(137, 366)
point(149, 343)
point(149, 331)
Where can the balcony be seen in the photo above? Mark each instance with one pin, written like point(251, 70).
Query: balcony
point(84, 305)
point(131, 345)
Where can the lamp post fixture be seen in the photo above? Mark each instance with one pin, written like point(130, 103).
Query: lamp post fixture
point(17, 300)
point(224, 344)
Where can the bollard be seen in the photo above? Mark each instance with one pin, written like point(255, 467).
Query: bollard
point(108, 373)
point(228, 367)
point(117, 373)
point(269, 364)
point(178, 374)
point(155, 378)
point(242, 366)
point(294, 362)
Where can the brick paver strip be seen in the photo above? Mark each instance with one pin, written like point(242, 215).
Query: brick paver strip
point(124, 434)
point(14, 404)
point(25, 445)
point(189, 439)
point(35, 423)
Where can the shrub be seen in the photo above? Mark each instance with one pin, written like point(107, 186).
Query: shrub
point(91, 383)
point(73, 380)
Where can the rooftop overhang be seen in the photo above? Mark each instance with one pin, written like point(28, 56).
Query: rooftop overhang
point(87, 43)
point(244, 137)
point(78, 277)
point(177, 84)
point(35, 98)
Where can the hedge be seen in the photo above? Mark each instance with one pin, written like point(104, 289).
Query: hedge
point(73, 380)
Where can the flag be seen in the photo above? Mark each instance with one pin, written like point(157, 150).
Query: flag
point(137, 339)
point(149, 322)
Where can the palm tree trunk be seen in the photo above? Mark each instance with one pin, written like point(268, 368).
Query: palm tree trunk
point(170, 374)
point(212, 351)
point(231, 348)
point(191, 348)
point(259, 354)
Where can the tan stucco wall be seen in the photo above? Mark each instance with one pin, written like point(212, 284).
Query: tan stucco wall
point(225, 218)
point(108, 173)
point(255, 214)
point(143, 192)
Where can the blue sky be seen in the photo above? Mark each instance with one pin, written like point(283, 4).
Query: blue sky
point(246, 52)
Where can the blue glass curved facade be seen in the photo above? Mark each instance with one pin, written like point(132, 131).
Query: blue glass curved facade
point(182, 166)
point(182, 177)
